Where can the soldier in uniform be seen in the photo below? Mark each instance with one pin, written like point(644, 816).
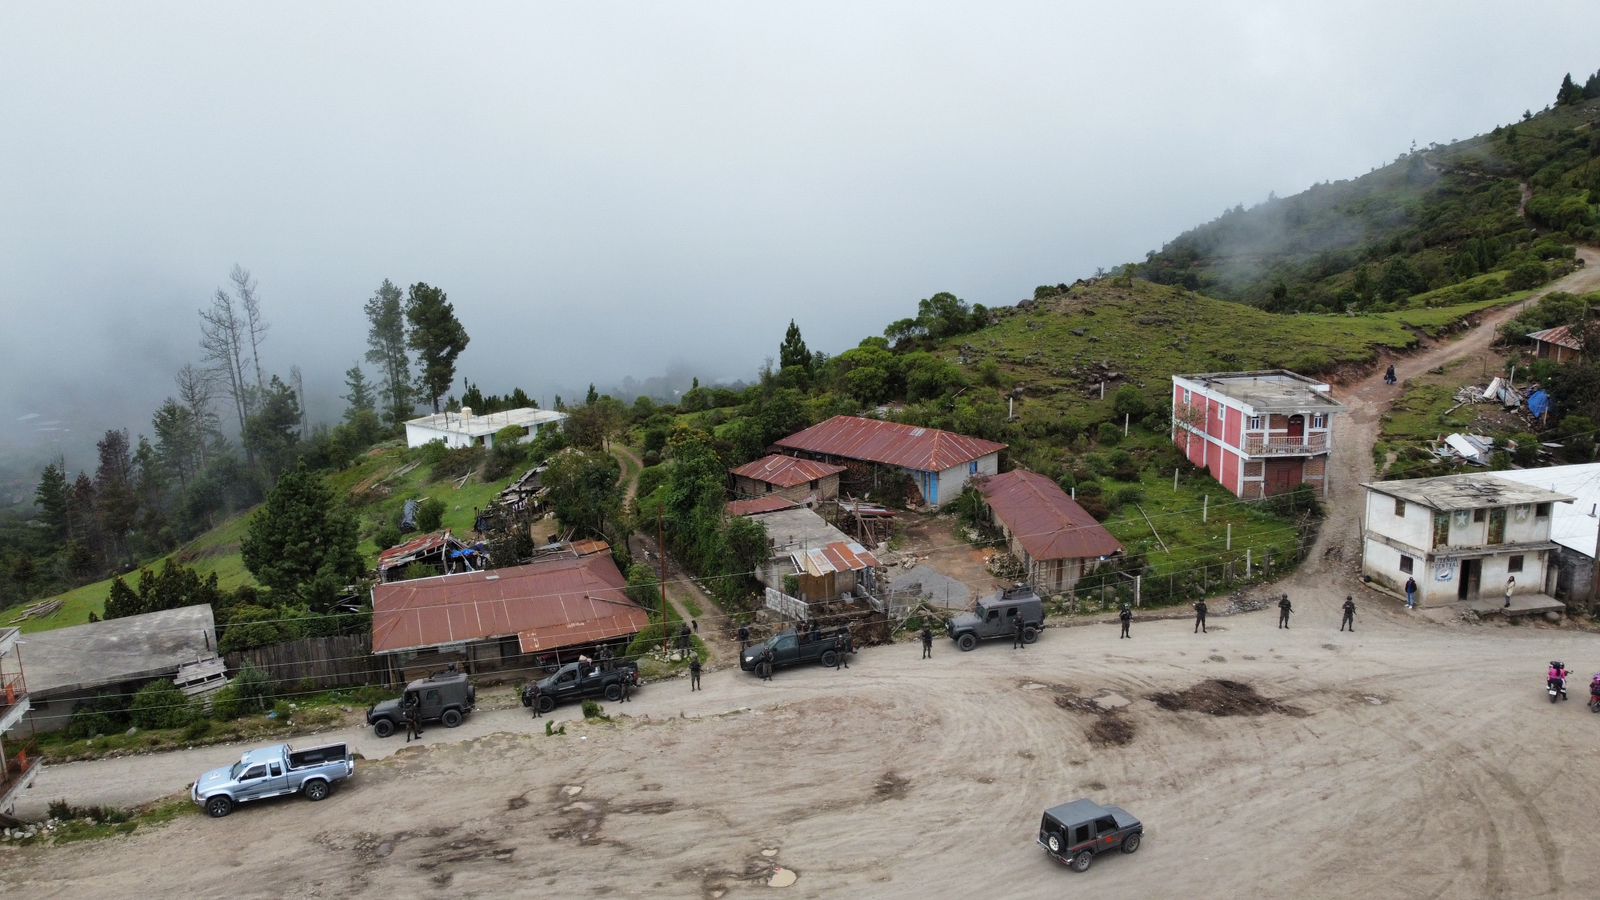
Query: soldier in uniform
point(1284, 609)
point(1200, 616)
point(694, 673)
point(1349, 614)
point(1016, 641)
point(927, 642)
point(1127, 618)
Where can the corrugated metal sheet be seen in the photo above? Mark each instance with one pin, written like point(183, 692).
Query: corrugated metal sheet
point(1048, 523)
point(845, 556)
point(786, 471)
point(417, 546)
point(558, 602)
point(1561, 336)
point(890, 443)
point(769, 503)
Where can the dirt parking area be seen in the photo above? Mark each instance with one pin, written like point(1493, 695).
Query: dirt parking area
point(950, 570)
point(1407, 759)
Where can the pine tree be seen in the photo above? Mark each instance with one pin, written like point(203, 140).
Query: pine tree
point(438, 338)
point(272, 435)
point(1569, 93)
point(792, 353)
point(115, 500)
point(53, 497)
point(1591, 87)
point(360, 397)
point(300, 535)
point(386, 349)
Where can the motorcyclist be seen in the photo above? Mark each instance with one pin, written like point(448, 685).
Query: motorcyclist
point(1558, 678)
point(1594, 692)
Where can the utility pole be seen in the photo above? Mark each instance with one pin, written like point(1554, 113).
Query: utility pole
point(661, 579)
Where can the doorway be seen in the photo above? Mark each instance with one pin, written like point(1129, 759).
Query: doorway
point(1297, 429)
point(1497, 525)
point(1467, 583)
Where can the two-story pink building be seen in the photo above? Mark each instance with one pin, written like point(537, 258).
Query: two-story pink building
point(1257, 433)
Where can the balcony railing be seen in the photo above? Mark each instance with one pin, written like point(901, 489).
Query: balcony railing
point(1316, 442)
point(13, 690)
point(15, 769)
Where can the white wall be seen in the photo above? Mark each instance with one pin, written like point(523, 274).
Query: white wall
point(955, 478)
point(417, 436)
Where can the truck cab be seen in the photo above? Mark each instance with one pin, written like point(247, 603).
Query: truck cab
point(444, 697)
point(1074, 833)
point(577, 681)
point(996, 617)
point(272, 772)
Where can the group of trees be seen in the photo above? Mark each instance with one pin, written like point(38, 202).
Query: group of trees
point(424, 322)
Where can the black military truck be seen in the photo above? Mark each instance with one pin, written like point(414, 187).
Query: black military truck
point(996, 617)
point(1075, 833)
point(580, 681)
point(791, 648)
point(444, 697)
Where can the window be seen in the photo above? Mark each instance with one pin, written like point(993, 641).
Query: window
point(1320, 420)
point(1406, 563)
point(1399, 508)
point(1257, 423)
point(1441, 529)
point(813, 485)
point(276, 769)
point(1011, 613)
point(1105, 825)
point(994, 615)
point(1478, 515)
point(972, 467)
point(1080, 835)
point(1514, 564)
point(1542, 511)
point(253, 772)
point(787, 642)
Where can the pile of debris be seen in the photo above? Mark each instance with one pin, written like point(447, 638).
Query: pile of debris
point(1004, 566)
point(1239, 603)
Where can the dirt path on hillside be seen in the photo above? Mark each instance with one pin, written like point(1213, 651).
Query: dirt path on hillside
point(1332, 568)
point(632, 468)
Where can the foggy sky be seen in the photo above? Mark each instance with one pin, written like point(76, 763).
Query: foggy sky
point(605, 189)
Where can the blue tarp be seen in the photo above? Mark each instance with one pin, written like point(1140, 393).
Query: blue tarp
point(408, 518)
point(1539, 403)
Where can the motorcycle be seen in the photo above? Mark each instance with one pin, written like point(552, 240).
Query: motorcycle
point(1594, 695)
point(1556, 681)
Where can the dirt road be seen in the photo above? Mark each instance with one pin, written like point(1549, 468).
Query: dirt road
point(1402, 760)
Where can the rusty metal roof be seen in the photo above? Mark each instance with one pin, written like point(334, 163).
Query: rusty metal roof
point(769, 503)
point(559, 602)
point(1048, 523)
point(843, 556)
point(890, 443)
point(786, 471)
point(401, 554)
point(1561, 336)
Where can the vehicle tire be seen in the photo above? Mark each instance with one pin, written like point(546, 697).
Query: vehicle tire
point(383, 728)
point(451, 718)
point(1029, 634)
point(967, 641)
point(315, 789)
point(1053, 841)
point(1555, 696)
point(830, 658)
point(1130, 844)
point(1080, 863)
point(218, 806)
point(613, 692)
point(547, 703)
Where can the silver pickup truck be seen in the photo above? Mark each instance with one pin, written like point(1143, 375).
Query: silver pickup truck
point(273, 772)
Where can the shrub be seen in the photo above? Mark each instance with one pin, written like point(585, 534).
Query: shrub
point(387, 536)
point(160, 704)
point(253, 689)
point(105, 714)
point(432, 453)
point(1108, 435)
point(1527, 275)
point(430, 514)
point(1127, 495)
point(225, 703)
point(593, 710)
point(197, 729)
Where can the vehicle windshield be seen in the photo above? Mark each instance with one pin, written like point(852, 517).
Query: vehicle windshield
point(235, 769)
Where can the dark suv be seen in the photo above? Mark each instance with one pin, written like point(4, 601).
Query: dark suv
point(996, 617)
point(443, 698)
point(1073, 833)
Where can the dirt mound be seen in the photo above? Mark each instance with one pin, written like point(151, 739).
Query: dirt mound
point(1111, 730)
point(1220, 697)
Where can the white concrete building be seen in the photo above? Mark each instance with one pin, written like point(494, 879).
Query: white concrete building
point(464, 429)
point(1574, 527)
point(1460, 537)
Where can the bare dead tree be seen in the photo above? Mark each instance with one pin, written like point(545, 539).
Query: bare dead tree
point(197, 388)
point(222, 338)
point(299, 396)
point(255, 327)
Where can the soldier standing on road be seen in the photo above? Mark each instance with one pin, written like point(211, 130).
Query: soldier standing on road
point(1349, 613)
point(744, 639)
point(627, 685)
point(1284, 609)
point(413, 722)
point(843, 648)
point(1200, 616)
point(1127, 618)
point(927, 642)
point(533, 691)
point(766, 664)
point(1016, 640)
point(694, 673)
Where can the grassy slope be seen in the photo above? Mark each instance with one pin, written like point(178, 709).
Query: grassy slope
point(217, 550)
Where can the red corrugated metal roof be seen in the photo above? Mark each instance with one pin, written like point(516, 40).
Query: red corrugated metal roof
point(890, 443)
point(559, 602)
point(786, 471)
point(1048, 523)
point(418, 545)
point(769, 503)
point(1561, 336)
point(839, 556)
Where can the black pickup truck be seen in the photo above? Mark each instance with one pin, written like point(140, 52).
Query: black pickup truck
point(579, 681)
point(791, 649)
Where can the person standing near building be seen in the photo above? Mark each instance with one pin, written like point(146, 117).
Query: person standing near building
point(845, 647)
point(1127, 619)
point(1200, 616)
point(1411, 593)
point(1349, 613)
point(1016, 641)
point(694, 673)
point(1511, 585)
point(1284, 609)
point(927, 642)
